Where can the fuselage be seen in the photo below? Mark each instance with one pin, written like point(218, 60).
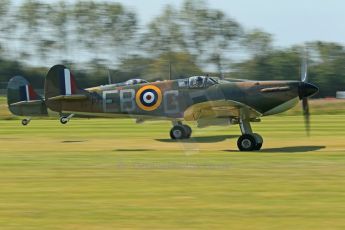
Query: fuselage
point(170, 99)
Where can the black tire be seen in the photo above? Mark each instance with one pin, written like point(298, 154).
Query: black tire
point(25, 122)
point(259, 141)
point(178, 132)
point(188, 131)
point(247, 142)
point(258, 146)
point(63, 120)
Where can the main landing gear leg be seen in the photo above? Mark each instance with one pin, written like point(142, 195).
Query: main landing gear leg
point(180, 131)
point(64, 119)
point(249, 141)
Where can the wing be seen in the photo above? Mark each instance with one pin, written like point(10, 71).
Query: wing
point(220, 109)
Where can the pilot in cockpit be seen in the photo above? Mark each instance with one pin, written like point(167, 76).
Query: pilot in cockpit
point(199, 81)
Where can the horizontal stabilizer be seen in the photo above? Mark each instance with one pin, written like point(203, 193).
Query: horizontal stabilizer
point(68, 97)
point(32, 102)
point(22, 99)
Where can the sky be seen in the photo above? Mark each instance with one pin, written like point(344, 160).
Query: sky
point(289, 21)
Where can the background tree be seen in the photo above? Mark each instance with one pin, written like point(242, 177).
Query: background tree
point(5, 28)
point(328, 69)
point(257, 42)
point(164, 34)
point(276, 65)
point(33, 23)
point(60, 22)
point(182, 66)
point(120, 29)
point(104, 29)
point(93, 37)
point(209, 33)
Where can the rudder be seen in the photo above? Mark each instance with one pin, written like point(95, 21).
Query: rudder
point(60, 86)
point(60, 81)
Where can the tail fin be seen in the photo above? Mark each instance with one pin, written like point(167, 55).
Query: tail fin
point(60, 81)
point(59, 86)
point(23, 100)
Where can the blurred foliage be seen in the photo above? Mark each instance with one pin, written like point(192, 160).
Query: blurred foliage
point(257, 42)
point(277, 65)
point(326, 66)
point(102, 39)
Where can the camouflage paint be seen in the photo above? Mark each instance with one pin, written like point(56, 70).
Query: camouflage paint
point(171, 99)
point(23, 100)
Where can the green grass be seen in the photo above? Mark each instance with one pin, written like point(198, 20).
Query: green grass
point(4, 112)
point(113, 174)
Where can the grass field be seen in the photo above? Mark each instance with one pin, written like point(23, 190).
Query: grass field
point(112, 174)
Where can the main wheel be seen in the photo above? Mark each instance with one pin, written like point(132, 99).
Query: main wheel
point(188, 131)
point(63, 120)
point(178, 132)
point(247, 142)
point(259, 141)
point(25, 122)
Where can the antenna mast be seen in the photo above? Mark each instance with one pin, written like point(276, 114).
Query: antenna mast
point(170, 70)
point(109, 77)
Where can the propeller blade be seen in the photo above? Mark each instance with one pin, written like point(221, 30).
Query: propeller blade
point(306, 90)
point(304, 70)
point(306, 115)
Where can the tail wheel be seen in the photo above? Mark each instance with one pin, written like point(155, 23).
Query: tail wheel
point(64, 120)
point(25, 122)
point(178, 132)
point(247, 142)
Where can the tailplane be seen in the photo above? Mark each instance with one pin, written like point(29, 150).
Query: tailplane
point(23, 100)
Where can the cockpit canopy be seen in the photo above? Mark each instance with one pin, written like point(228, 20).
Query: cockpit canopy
point(201, 82)
point(135, 81)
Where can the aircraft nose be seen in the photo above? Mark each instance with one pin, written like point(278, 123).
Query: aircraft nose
point(306, 90)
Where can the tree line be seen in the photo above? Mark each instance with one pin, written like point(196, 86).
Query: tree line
point(102, 39)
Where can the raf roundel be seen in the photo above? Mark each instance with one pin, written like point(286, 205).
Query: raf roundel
point(148, 97)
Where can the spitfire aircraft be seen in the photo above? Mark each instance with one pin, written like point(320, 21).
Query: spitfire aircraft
point(23, 100)
point(204, 99)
